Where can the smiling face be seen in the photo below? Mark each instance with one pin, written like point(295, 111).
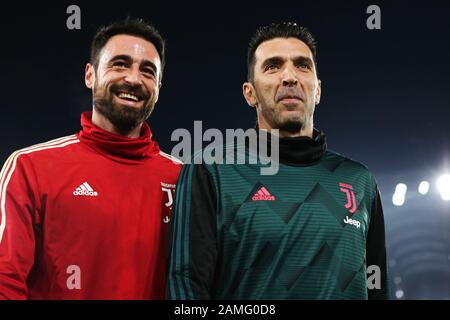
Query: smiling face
point(285, 88)
point(125, 85)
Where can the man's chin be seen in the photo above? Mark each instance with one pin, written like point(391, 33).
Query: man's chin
point(291, 125)
point(291, 128)
point(120, 114)
point(126, 109)
point(140, 110)
point(130, 115)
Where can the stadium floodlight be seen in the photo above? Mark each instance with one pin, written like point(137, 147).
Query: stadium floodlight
point(401, 188)
point(399, 294)
point(443, 185)
point(424, 187)
point(398, 198)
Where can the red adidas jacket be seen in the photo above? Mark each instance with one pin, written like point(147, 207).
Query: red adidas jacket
point(86, 217)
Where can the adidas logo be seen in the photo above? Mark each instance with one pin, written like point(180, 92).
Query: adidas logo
point(85, 190)
point(263, 195)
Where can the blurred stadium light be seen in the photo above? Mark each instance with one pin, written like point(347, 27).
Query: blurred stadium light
point(417, 236)
point(398, 198)
point(443, 185)
point(424, 187)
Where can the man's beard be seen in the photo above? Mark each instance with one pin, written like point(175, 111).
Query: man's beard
point(123, 118)
point(291, 125)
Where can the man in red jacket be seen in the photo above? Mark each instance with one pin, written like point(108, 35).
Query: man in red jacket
point(86, 216)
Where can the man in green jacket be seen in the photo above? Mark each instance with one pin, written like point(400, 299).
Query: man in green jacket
point(313, 230)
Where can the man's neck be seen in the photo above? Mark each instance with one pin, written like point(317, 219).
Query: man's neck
point(102, 122)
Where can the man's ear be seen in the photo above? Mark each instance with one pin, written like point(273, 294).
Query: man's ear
point(249, 94)
point(318, 92)
point(89, 76)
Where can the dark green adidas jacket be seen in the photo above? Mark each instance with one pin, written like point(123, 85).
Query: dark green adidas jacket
point(308, 232)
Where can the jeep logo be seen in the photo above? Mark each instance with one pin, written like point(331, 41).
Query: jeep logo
point(356, 223)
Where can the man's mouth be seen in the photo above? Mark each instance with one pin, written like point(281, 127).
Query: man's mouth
point(128, 96)
point(290, 98)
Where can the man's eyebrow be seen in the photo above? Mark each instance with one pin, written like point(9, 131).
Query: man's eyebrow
point(272, 60)
point(129, 59)
point(303, 59)
point(121, 57)
point(280, 60)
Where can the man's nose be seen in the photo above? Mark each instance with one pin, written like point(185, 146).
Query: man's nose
point(289, 77)
point(133, 75)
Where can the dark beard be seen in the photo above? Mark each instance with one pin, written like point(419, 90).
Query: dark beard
point(123, 118)
point(291, 126)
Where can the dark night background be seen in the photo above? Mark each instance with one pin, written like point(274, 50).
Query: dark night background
point(384, 94)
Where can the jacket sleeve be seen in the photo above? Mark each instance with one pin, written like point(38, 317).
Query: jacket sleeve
point(17, 238)
point(193, 244)
point(376, 250)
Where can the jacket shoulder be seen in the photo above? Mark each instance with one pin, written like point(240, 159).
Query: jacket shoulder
point(169, 166)
point(333, 156)
point(46, 148)
point(169, 159)
point(348, 166)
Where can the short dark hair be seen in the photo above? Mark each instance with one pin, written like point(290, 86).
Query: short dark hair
point(278, 30)
point(133, 27)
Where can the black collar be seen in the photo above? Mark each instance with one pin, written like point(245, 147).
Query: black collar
point(300, 151)
point(297, 151)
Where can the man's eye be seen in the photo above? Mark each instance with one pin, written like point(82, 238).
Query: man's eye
point(304, 66)
point(271, 67)
point(119, 64)
point(149, 72)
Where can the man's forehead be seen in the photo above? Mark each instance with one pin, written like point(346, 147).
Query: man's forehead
point(133, 46)
point(282, 47)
